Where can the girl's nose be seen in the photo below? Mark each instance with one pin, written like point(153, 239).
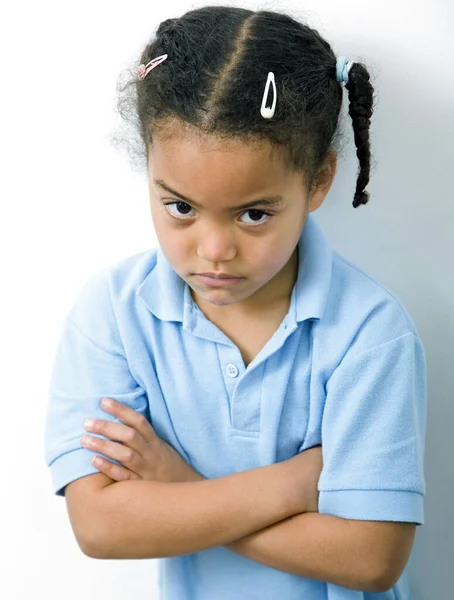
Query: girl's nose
point(216, 245)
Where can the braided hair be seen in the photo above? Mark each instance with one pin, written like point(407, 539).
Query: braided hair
point(213, 83)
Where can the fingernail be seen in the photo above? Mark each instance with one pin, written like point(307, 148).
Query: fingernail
point(106, 403)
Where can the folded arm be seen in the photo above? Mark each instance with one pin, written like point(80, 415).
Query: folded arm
point(151, 519)
point(361, 555)
point(258, 513)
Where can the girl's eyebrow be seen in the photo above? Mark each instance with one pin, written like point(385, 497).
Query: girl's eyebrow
point(269, 201)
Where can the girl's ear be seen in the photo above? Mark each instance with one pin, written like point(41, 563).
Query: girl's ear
point(324, 181)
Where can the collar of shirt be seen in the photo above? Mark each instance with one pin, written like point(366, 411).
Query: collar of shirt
point(309, 295)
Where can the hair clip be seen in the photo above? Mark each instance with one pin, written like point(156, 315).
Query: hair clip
point(268, 112)
point(143, 70)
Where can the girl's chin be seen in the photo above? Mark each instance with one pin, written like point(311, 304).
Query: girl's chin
point(224, 297)
point(219, 296)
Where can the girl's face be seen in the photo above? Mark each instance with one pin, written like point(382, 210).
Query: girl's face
point(203, 226)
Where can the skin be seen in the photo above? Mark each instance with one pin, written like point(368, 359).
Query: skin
point(218, 175)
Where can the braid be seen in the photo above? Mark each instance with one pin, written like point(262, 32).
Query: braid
point(360, 94)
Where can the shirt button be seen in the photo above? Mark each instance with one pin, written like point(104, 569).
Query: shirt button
point(232, 370)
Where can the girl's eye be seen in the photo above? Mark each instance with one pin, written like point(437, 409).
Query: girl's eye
point(179, 204)
point(255, 212)
point(184, 206)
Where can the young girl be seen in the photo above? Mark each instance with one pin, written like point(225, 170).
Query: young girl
point(266, 438)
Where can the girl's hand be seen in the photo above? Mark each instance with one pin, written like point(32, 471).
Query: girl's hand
point(143, 454)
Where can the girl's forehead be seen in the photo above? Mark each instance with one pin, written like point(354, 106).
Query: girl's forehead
point(214, 156)
point(203, 172)
point(191, 161)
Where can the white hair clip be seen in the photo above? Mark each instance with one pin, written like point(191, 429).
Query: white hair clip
point(268, 112)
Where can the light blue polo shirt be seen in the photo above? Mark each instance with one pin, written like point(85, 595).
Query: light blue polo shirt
point(345, 369)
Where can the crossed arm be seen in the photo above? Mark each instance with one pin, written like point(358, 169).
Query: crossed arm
point(258, 513)
point(361, 555)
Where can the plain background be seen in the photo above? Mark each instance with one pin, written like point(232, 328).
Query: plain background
point(71, 205)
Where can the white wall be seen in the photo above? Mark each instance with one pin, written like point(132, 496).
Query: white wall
point(71, 205)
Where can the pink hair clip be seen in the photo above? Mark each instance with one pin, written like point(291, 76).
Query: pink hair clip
point(143, 70)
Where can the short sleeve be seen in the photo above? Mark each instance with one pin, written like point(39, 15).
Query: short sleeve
point(373, 434)
point(89, 363)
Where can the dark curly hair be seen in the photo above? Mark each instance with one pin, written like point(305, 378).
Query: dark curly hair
point(213, 82)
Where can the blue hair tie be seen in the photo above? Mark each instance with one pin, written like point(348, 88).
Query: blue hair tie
point(343, 66)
